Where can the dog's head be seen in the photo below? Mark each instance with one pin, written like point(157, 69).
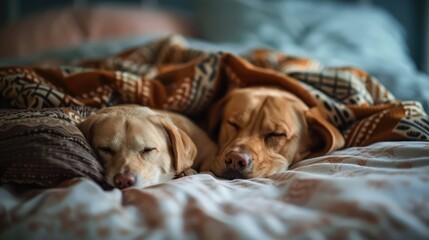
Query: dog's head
point(261, 131)
point(136, 146)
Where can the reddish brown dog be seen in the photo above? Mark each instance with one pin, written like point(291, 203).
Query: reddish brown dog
point(262, 131)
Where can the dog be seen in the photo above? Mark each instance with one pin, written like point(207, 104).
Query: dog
point(139, 146)
point(263, 130)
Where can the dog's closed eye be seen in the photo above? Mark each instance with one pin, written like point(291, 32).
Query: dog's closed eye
point(147, 150)
point(272, 139)
point(234, 125)
point(275, 134)
point(107, 150)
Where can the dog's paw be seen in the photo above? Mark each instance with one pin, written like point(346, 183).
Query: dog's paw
point(190, 172)
point(208, 172)
point(187, 172)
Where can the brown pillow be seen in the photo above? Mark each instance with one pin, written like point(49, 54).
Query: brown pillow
point(69, 27)
point(44, 147)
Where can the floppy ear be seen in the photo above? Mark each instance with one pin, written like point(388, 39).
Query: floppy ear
point(215, 118)
point(325, 136)
point(87, 127)
point(184, 149)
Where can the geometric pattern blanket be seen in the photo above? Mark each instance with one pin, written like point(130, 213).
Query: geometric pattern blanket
point(166, 74)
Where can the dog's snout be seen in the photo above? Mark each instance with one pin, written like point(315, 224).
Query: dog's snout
point(237, 160)
point(124, 180)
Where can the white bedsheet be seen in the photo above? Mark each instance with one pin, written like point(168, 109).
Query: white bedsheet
point(375, 192)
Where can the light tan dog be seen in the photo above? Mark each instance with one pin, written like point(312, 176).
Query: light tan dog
point(139, 147)
point(262, 131)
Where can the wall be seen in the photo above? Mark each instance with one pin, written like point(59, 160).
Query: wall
point(410, 13)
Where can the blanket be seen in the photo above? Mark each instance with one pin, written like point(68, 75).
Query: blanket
point(166, 74)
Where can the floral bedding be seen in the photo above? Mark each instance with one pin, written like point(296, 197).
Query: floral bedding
point(374, 192)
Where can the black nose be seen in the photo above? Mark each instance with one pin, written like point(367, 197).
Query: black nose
point(124, 180)
point(238, 160)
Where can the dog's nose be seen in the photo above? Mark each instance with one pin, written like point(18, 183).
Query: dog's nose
point(124, 180)
point(237, 160)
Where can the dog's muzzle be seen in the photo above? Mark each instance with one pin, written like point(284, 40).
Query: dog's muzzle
point(236, 163)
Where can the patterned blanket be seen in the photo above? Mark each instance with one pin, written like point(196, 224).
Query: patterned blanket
point(166, 74)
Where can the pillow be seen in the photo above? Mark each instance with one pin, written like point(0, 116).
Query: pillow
point(68, 27)
point(337, 33)
point(44, 147)
point(333, 32)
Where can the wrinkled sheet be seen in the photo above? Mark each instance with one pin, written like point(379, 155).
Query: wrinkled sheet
point(374, 192)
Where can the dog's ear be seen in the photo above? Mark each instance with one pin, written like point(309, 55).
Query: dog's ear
point(87, 127)
point(215, 117)
point(184, 149)
point(324, 136)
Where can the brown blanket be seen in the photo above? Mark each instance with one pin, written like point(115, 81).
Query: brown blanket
point(166, 74)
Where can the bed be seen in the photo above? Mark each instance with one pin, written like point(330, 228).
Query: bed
point(52, 184)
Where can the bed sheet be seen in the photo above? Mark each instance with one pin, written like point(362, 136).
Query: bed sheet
point(374, 192)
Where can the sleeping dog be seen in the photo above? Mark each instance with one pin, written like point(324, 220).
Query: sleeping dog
point(139, 147)
point(263, 130)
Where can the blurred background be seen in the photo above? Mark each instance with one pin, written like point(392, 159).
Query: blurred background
point(388, 39)
point(66, 14)
point(410, 14)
